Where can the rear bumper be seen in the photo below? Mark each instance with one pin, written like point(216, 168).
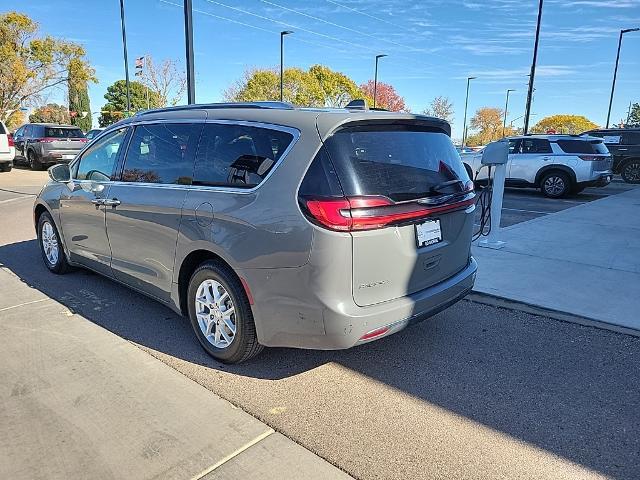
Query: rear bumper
point(341, 325)
point(7, 156)
point(602, 180)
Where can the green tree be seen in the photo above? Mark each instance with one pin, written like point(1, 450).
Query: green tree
point(634, 116)
point(79, 106)
point(571, 124)
point(116, 107)
point(50, 113)
point(318, 87)
point(31, 64)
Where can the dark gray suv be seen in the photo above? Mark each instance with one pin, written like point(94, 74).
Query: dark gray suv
point(44, 144)
point(269, 225)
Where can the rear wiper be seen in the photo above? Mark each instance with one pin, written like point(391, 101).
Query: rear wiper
point(444, 196)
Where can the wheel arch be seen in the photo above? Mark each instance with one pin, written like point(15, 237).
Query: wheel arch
point(190, 263)
point(555, 167)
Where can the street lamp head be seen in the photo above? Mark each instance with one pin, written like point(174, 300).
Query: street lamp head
point(471, 78)
point(285, 32)
point(627, 30)
point(381, 55)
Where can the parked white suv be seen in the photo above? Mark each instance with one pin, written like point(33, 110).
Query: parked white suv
point(556, 164)
point(7, 149)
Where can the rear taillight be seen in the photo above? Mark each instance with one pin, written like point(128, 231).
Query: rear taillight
point(83, 140)
point(590, 158)
point(10, 140)
point(369, 213)
point(45, 140)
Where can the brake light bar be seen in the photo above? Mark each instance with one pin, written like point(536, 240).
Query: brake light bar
point(368, 213)
point(10, 140)
point(592, 158)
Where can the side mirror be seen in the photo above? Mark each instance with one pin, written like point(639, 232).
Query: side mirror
point(60, 173)
point(496, 153)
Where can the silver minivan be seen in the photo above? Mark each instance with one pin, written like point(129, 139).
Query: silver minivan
point(269, 225)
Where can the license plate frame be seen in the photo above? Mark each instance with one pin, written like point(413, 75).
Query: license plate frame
point(428, 233)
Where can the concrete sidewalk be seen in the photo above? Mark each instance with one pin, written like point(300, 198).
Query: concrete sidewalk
point(77, 401)
point(584, 261)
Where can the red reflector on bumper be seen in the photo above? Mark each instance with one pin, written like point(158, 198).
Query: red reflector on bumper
point(378, 332)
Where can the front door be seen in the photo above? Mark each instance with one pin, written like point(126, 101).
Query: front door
point(82, 210)
point(529, 156)
point(143, 226)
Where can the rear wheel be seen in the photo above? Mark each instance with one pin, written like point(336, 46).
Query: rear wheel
point(5, 167)
point(630, 171)
point(555, 184)
point(221, 315)
point(34, 163)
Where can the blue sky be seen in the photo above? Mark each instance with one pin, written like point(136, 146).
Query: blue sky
point(433, 45)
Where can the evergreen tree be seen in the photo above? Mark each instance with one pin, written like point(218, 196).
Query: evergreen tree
point(79, 102)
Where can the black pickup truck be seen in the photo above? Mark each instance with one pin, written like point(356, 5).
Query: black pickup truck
point(624, 145)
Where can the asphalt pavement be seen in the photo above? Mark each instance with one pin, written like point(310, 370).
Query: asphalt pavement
point(476, 392)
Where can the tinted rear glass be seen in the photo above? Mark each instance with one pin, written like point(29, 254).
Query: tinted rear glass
point(2, 130)
point(583, 146)
point(401, 162)
point(631, 138)
point(57, 132)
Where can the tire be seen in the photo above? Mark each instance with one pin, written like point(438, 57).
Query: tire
point(5, 167)
point(209, 279)
point(555, 184)
point(49, 241)
point(32, 160)
point(630, 171)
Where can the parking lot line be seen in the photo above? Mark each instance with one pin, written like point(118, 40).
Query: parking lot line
point(16, 199)
point(234, 454)
point(526, 211)
point(23, 304)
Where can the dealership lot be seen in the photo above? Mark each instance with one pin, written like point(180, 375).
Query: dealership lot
point(476, 392)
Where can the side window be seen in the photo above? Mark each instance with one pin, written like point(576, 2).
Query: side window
point(535, 145)
point(98, 161)
point(238, 156)
point(28, 130)
point(514, 146)
point(19, 132)
point(162, 153)
point(631, 138)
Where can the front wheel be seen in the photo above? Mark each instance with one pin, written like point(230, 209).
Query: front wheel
point(555, 185)
point(51, 245)
point(221, 315)
point(630, 171)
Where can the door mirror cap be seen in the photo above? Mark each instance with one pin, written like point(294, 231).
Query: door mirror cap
point(60, 173)
point(496, 153)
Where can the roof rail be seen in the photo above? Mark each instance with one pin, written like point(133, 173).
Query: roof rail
point(212, 106)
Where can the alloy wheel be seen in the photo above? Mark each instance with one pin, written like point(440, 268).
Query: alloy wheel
point(554, 186)
point(216, 314)
point(49, 241)
point(632, 172)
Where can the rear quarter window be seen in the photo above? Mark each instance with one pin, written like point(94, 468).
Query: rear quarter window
point(583, 146)
point(400, 162)
point(2, 129)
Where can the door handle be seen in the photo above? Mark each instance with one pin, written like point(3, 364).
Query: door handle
point(545, 158)
point(623, 149)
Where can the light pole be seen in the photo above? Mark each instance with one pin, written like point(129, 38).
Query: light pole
point(188, 43)
point(527, 111)
point(375, 79)
point(506, 108)
point(126, 60)
point(466, 103)
point(282, 34)
point(615, 70)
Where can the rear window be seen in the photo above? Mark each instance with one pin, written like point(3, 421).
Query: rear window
point(57, 132)
point(583, 146)
point(401, 162)
point(2, 129)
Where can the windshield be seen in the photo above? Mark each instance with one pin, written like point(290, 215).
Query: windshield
point(59, 132)
point(401, 162)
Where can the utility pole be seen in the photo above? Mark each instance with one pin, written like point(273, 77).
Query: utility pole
point(126, 60)
point(615, 70)
point(533, 71)
point(375, 79)
point(506, 108)
point(188, 40)
point(282, 34)
point(466, 103)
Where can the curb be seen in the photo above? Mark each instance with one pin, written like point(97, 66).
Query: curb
point(502, 302)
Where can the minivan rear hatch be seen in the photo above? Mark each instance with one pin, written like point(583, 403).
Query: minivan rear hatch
point(407, 201)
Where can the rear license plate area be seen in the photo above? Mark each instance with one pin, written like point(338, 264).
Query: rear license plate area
point(428, 233)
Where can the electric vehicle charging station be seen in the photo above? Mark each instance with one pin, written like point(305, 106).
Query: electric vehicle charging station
point(495, 155)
